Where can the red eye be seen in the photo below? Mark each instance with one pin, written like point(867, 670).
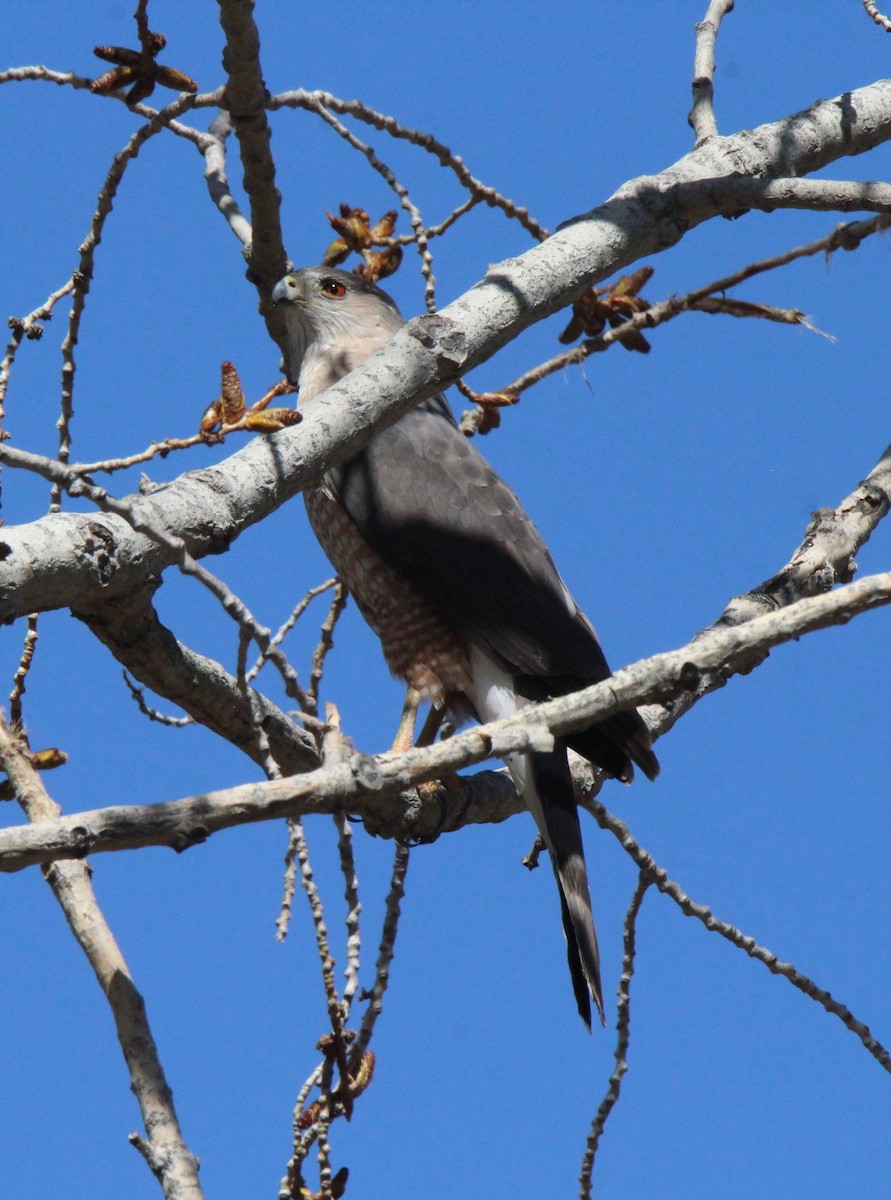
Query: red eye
point(333, 287)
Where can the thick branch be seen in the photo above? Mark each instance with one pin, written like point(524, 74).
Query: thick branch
point(359, 784)
point(64, 560)
point(131, 630)
point(824, 558)
point(815, 195)
point(245, 100)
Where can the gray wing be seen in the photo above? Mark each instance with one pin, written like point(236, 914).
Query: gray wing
point(436, 511)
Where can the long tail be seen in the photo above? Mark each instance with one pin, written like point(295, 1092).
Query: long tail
point(544, 782)
point(550, 797)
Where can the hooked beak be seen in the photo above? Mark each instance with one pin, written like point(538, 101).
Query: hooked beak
point(285, 291)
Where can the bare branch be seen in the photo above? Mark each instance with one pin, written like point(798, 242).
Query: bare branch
point(45, 75)
point(160, 449)
point(134, 514)
point(245, 99)
point(387, 948)
point(172, 1162)
point(432, 231)
point(154, 714)
point(702, 115)
point(288, 1188)
point(426, 141)
point(742, 941)
point(872, 10)
point(816, 195)
point(217, 180)
point(135, 636)
point(83, 275)
point(824, 559)
point(623, 1030)
point(363, 783)
point(301, 851)
point(40, 74)
point(414, 214)
point(326, 642)
point(18, 681)
point(284, 629)
point(843, 237)
point(130, 628)
point(353, 906)
point(212, 507)
point(29, 327)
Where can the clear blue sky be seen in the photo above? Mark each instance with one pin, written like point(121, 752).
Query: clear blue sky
point(664, 484)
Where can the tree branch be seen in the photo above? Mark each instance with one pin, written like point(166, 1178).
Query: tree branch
point(61, 561)
point(245, 100)
point(659, 878)
point(360, 784)
point(701, 118)
point(167, 1154)
point(623, 1038)
point(130, 628)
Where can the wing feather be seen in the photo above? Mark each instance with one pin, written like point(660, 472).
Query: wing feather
point(435, 510)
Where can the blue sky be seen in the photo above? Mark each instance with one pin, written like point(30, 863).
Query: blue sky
point(664, 484)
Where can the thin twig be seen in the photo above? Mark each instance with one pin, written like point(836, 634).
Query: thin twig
point(260, 738)
point(623, 1030)
point(18, 680)
point(335, 749)
point(326, 642)
point(154, 714)
point(83, 274)
point(45, 75)
point(848, 236)
point(161, 449)
point(426, 141)
point(284, 629)
point(353, 906)
point(880, 20)
point(389, 176)
point(40, 74)
point(289, 887)
point(29, 327)
point(292, 1181)
point(298, 837)
point(431, 231)
point(742, 941)
point(324, 1150)
point(385, 954)
point(336, 1011)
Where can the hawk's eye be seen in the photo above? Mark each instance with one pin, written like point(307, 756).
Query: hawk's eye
point(333, 287)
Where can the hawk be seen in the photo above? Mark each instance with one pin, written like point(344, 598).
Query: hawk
point(454, 578)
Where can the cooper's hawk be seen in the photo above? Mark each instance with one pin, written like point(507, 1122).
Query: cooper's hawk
point(450, 572)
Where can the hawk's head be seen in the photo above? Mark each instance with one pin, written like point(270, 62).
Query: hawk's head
point(330, 311)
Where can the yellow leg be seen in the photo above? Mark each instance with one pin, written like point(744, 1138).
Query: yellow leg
point(406, 730)
point(431, 726)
